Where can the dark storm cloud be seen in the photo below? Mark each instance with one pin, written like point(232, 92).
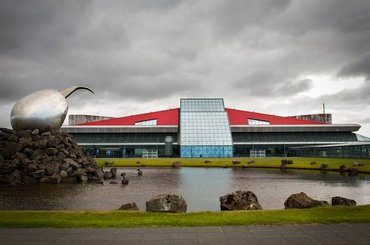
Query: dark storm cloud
point(130, 51)
point(360, 67)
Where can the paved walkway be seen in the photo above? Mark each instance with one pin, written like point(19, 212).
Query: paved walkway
point(271, 234)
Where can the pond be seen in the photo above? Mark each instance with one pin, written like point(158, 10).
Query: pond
point(201, 188)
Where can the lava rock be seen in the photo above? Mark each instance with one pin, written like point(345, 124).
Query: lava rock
point(240, 200)
point(107, 175)
point(129, 207)
point(342, 201)
point(167, 203)
point(113, 172)
point(301, 200)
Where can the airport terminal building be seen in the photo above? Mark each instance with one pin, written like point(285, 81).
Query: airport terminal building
point(204, 128)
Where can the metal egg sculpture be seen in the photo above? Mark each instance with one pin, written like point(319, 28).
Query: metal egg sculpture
point(44, 109)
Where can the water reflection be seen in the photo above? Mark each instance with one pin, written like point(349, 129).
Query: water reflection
point(201, 187)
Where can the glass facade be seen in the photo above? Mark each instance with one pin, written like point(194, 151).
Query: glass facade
point(204, 129)
point(147, 123)
point(257, 122)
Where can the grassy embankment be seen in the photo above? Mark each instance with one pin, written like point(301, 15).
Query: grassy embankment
point(267, 162)
point(359, 214)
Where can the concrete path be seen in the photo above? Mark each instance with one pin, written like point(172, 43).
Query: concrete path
point(271, 234)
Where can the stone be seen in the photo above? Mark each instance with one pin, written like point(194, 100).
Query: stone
point(342, 201)
point(13, 147)
point(7, 168)
point(36, 155)
point(35, 132)
point(64, 174)
point(51, 151)
point(240, 200)
point(124, 181)
point(5, 153)
point(82, 177)
point(15, 178)
point(55, 178)
point(19, 155)
point(167, 203)
point(2, 160)
point(23, 134)
point(129, 207)
point(38, 174)
point(113, 172)
point(357, 164)
point(31, 167)
point(53, 141)
point(71, 163)
point(51, 169)
point(25, 141)
point(28, 151)
point(301, 200)
point(107, 175)
point(113, 182)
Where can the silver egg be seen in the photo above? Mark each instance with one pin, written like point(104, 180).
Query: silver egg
point(44, 110)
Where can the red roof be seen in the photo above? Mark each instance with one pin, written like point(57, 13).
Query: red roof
point(166, 117)
point(171, 117)
point(238, 117)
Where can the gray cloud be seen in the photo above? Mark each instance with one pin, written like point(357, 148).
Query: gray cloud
point(138, 53)
point(360, 67)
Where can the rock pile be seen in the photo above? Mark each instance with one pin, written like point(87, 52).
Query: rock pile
point(31, 156)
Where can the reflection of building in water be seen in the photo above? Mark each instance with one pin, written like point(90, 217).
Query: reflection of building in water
point(203, 127)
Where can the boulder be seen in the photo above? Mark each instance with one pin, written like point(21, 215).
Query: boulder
point(240, 200)
point(301, 200)
point(129, 207)
point(167, 203)
point(342, 201)
point(107, 175)
point(124, 181)
point(113, 172)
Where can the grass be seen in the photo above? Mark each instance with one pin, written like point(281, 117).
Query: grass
point(266, 162)
point(359, 214)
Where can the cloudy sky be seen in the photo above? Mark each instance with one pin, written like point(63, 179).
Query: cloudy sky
point(275, 56)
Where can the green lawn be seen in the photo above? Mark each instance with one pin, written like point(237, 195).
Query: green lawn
point(359, 214)
point(267, 162)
